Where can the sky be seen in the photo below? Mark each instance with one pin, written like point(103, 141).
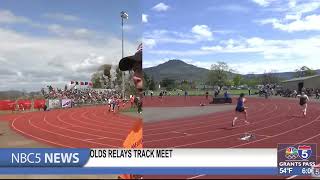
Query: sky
point(252, 36)
point(54, 42)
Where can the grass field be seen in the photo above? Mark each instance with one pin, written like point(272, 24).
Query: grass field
point(17, 112)
point(5, 112)
point(201, 93)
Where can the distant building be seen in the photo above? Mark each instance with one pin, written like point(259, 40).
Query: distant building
point(302, 82)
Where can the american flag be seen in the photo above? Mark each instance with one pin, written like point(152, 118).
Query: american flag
point(139, 47)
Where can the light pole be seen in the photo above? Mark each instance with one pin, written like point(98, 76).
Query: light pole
point(123, 15)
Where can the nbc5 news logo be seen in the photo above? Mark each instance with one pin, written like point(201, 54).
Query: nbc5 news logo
point(303, 152)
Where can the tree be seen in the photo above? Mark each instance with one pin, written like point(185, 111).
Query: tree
point(168, 84)
point(96, 80)
point(118, 80)
point(152, 85)
point(219, 74)
point(146, 82)
point(305, 71)
point(106, 70)
point(185, 85)
point(102, 78)
point(252, 82)
point(230, 83)
point(237, 80)
point(270, 78)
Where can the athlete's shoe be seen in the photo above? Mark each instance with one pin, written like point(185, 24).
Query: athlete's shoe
point(233, 123)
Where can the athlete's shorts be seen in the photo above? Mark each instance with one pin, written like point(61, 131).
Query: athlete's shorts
point(240, 109)
point(302, 103)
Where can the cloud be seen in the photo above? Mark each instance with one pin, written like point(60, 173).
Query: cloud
point(164, 36)
point(149, 43)
point(161, 7)
point(76, 33)
point(7, 17)
point(145, 18)
point(292, 17)
point(179, 53)
point(308, 23)
point(297, 16)
point(152, 63)
point(275, 53)
point(203, 31)
point(198, 33)
point(61, 16)
point(261, 66)
point(230, 8)
point(127, 27)
point(263, 3)
point(292, 3)
point(270, 49)
point(33, 62)
point(305, 7)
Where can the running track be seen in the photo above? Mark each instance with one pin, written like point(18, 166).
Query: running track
point(85, 127)
point(273, 121)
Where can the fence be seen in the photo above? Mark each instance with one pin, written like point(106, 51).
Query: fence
point(7, 105)
point(24, 104)
point(39, 103)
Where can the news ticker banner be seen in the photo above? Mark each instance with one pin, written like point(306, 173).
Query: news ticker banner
point(140, 161)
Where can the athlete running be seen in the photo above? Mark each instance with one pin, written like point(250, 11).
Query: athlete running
point(109, 104)
point(303, 103)
point(240, 109)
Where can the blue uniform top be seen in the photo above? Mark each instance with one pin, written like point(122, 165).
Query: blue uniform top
point(240, 103)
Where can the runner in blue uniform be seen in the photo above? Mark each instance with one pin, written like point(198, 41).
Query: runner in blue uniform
point(240, 109)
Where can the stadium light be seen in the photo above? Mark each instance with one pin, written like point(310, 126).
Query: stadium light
point(124, 15)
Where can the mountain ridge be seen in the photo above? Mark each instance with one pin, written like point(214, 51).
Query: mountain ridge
point(179, 70)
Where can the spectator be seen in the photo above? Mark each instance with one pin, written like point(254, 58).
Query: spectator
point(135, 63)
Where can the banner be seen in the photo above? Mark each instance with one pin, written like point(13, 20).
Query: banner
point(168, 161)
point(66, 103)
point(24, 104)
point(82, 83)
point(54, 103)
point(238, 161)
point(7, 105)
point(43, 157)
point(39, 103)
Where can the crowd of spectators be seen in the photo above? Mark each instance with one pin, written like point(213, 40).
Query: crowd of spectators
point(80, 96)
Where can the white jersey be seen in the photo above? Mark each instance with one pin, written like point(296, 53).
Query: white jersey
point(303, 99)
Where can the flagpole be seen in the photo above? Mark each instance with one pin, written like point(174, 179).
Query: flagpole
point(124, 15)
